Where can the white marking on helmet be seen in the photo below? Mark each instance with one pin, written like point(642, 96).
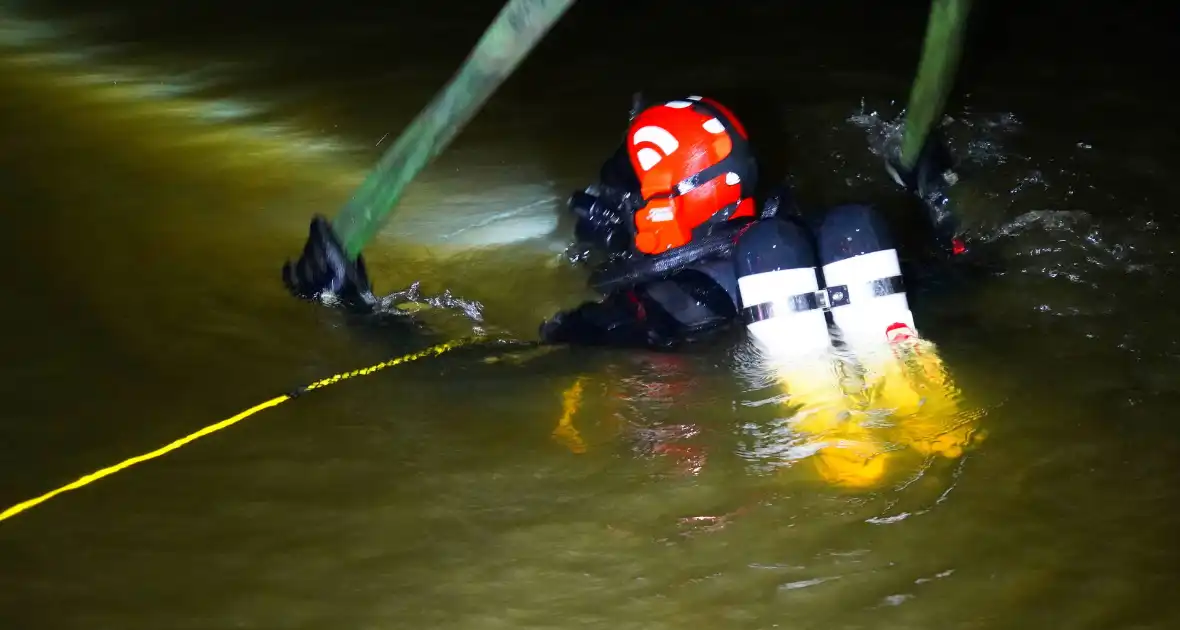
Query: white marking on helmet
point(648, 158)
point(694, 98)
point(678, 104)
point(658, 136)
point(713, 126)
point(732, 179)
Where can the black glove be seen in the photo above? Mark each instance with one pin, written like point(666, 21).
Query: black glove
point(930, 179)
point(933, 172)
point(324, 269)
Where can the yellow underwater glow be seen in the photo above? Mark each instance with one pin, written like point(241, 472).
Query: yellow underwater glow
point(859, 418)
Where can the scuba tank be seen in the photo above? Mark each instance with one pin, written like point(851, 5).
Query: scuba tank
point(862, 273)
point(778, 284)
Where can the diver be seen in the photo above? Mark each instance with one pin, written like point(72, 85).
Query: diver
point(684, 249)
point(681, 248)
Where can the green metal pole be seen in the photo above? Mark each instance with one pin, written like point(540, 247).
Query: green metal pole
point(516, 30)
point(936, 74)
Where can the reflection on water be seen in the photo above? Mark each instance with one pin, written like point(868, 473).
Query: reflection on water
point(862, 420)
point(161, 188)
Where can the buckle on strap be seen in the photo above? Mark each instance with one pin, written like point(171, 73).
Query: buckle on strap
point(825, 299)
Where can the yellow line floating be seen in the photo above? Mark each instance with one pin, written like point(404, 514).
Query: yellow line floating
point(228, 422)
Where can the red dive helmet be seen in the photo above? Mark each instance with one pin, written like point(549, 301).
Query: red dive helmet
point(694, 167)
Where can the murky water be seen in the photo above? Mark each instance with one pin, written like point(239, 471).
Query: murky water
point(157, 169)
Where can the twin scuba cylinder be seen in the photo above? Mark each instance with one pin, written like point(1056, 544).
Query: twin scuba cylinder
point(789, 287)
point(787, 290)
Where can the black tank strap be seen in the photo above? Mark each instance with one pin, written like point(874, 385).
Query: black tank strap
point(824, 299)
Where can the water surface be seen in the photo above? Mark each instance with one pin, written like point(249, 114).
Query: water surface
point(158, 167)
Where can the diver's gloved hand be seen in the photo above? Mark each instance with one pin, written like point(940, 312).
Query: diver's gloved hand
point(930, 179)
point(932, 174)
point(325, 271)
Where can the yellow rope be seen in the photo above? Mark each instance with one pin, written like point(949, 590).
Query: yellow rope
point(213, 428)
